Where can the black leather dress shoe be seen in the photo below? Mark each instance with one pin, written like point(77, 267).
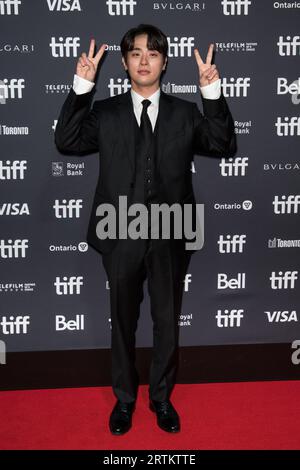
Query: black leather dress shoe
point(121, 417)
point(167, 417)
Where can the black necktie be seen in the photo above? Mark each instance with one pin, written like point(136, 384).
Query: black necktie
point(146, 127)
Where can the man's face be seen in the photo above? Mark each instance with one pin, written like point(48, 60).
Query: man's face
point(144, 66)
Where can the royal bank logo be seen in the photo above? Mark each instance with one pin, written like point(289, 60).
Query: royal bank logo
point(57, 169)
point(242, 127)
point(185, 320)
point(67, 169)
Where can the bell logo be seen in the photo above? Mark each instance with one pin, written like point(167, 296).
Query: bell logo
point(61, 324)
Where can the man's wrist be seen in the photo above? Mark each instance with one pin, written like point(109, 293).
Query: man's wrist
point(81, 85)
point(211, 91)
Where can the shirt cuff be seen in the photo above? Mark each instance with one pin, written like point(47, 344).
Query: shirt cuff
point(81, 85)
point(212, 91)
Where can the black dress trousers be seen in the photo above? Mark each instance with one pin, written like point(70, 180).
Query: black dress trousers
point(164, 265)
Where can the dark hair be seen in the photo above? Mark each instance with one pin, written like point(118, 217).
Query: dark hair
point(157, 40)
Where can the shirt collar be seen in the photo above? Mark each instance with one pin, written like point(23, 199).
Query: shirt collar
point(137, 98)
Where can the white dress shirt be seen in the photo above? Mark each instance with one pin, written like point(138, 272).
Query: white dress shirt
point(211, 92)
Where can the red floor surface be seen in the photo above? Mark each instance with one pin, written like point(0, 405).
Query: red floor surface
point(248, 415)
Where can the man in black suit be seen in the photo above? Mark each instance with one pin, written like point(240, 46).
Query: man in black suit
point(146, 140)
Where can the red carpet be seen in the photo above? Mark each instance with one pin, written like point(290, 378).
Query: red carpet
point(251, 415)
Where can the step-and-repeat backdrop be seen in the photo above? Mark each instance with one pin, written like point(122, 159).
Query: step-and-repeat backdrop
point(243, 286)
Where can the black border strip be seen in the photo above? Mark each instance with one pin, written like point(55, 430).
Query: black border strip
point(197, 364)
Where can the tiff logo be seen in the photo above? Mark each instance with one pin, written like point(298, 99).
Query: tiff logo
point(120, 87)
point(64, 47)
point(235, 87)
point(290, 126)
point(181, 47)
point(12, 170)
point(287, 205)
point(232, 243)
point(187, 281)
point(67, 209)
point(230, 318)
point(291, 46)
point(121, 7)
point(11, 89)
point(284, 280)
point(15, 325)
point(68, 287)
point(235, 7)
point(233, 167)
point(64, 5)
point(9, 7)
point(13, 248)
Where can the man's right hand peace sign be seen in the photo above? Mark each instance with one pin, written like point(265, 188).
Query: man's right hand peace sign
point(87, 65)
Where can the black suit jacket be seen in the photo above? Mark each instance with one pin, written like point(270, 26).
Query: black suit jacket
point(108, 128)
